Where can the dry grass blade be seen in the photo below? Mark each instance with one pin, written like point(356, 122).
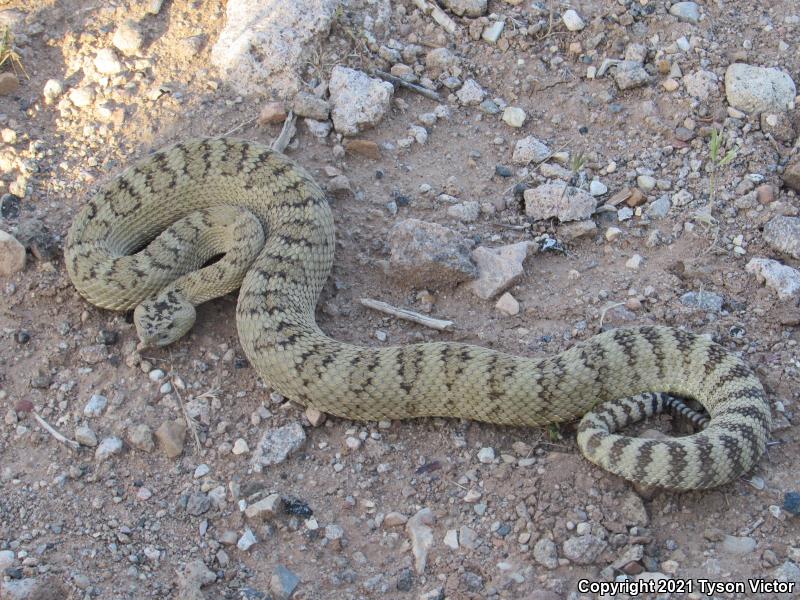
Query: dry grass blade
point(8, 54)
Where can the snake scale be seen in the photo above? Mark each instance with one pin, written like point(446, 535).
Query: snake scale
point(146, 239)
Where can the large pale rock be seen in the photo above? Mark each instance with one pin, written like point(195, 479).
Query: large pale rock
point(583, 549)
point(498, 268)
point(359, 101)
point(791, 175)
point(783, 279)
point(553, 200)
point(428, 255)
point(783, 234)
point(12, 255)
point(264, 43)
point(759, 89)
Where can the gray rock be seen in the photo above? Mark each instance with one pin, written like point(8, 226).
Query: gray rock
point(557, 199)
point(528, 150)
point(498, 268)
point(247, 541)
point(578, 229)
point(96, 406)
point(545, 553)
point(12, 255)
point(466, 212)
point(780, 126)
point(358, 100)
point(737, 545)
point(308, 105)
point(471, 93)
point(198, 504)
point(759, 89)
point(685, 11)
point(283, 583)
point(468, 8)
point(194, 575)
point(632, 509)
point(630, 74)
point(783, 279)
point(658, 208)
point(583, 549)
point(278, 443)
point(421, 536)
point(264, 509)
point(85, 437)
point(703, 300)
point(791, 174)
point(128, 38)
point(468, 537)
point(701, 84)
point(787, 572)
point(22, 589)
point(783, 235)
point(140, 436)
point(264, 43)
point(108, 448)
point(492, 31)
point(428, 255)
point(472, 581)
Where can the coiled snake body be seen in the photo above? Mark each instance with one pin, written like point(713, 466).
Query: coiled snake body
point(196, 200)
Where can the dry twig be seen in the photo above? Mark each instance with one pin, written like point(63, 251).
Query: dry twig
point(71, 443)
point(407, 84)
point(408, 315)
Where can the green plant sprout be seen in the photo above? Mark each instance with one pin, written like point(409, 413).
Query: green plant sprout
point(718, 161)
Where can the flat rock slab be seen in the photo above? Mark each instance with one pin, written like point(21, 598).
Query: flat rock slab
point(559, 200)
point(278, 443)
point(429, 255)
point(498, 268)
point(265, 42)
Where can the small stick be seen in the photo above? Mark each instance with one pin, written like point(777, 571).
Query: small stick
point(238, 127)
point(408, 315)
point(438, 15)
point(407, 84)
point(286, 134)
point(189, 421)
point(71, 443)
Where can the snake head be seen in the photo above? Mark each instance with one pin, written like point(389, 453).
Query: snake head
point(163, 319)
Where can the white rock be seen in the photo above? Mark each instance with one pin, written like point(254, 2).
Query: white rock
point(759, 89)
point(514, 116)
point(420, 134)
point(783, 279)
point(247, 540)
point(486, 455)
point(738, 545)
point(107, 448)
point(498, 268)
point(529, 149)
point(201, 470)
point(612, 233)
point(451, 539)
point(466, 212)
point(278, 443)
point(107, 63)
point(82, 96)
point(96, 405)
point(264, 43)
point(128, 38)
point(634, 262)
point(53, 88)
point(572, 20)
point(508, 305)
point(240, 447)
point(469, 8)
point(597, 188)
point(358, 100)
point(470, 93)
point(553, 200)
point(686, 11)
point(421, 537)
point(491, 32)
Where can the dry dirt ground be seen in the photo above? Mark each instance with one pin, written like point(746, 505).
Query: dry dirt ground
point(89, 529)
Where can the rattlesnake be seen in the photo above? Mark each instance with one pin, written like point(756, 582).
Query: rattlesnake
point(215, 194)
